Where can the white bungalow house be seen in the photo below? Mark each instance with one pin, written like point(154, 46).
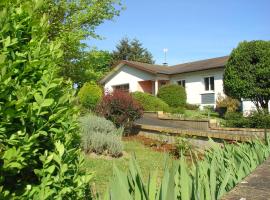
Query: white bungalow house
point(203, 80)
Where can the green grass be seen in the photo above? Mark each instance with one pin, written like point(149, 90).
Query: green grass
point(148, 160)
point(200, 114)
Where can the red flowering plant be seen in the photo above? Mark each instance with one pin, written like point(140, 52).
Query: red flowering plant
point(120, 108)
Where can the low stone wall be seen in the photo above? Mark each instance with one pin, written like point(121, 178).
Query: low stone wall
point(209, 125)
point(198, 124)
point(170, 133)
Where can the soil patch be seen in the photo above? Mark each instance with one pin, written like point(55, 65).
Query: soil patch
point(107, 157)
point(155, 145)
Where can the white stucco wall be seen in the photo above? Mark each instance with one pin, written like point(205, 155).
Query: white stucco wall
point(247, 107)
point(195, 84)
point(128, 75)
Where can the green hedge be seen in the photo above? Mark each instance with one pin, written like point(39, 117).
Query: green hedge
point(150, 102)
point(89, 95)
point(174, 95)
point(254, 120)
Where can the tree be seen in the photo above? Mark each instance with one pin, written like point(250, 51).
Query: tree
point(92, 67)
point(132, 50)
point(247, 73)
point(39, 141)
point(72, 22)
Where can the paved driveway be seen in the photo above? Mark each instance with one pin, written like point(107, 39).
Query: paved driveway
point(152, 120)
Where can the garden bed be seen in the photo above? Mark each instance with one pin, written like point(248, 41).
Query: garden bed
point(148, 158)
point(155, 145)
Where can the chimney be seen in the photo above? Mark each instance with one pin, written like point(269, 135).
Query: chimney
point(165, 64)
point(165, 50)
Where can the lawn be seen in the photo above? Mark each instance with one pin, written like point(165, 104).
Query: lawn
point(200, 114)
point(148, 160)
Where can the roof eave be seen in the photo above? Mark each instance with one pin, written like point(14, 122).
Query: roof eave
point(198, 70)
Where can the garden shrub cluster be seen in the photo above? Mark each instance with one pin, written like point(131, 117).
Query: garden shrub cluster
point(120, 108)
point(254, 120)
point(220, 171)
point(89, 95)
point(226, 104)
point(150, 102)
point(174, 95)
point(100, 136)
point(39, 154)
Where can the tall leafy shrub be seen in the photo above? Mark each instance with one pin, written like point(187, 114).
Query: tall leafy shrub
point(89, 95)
point(39, 154)
point(120, 108)
point(100, 136)
point(174, 95)
point(150, 102)
point(247, 73)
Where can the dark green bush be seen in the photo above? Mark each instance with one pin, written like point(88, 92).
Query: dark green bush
point(150, 102)
point(89, 95)
point(254, 120)
point(174, 95)
point(259, 120)
point(236, 120)
point(189, 106)
point(40, 156)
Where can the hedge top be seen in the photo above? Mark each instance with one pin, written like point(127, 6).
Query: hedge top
point(174, 95)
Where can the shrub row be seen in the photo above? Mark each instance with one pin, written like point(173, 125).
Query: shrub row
point(254, 120)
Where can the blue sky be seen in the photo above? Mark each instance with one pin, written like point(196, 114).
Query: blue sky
point(190, 29)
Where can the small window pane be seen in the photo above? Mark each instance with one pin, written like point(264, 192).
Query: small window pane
point(206, 83)
point(212, 83)
point(124, 88)
point(182, 83)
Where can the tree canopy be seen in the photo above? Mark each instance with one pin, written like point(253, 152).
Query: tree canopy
point(247, 73)
point(72, 22)
point(132, 50)
point(91, 67)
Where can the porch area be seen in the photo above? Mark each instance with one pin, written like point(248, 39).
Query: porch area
point(151, 86)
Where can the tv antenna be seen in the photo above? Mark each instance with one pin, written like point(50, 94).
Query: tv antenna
point(165, 50)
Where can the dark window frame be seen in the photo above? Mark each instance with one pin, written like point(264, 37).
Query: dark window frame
point(182, 83)
point(209, 83)
point(122, 87)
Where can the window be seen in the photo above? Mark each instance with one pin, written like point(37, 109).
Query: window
point(182, 83)
point(208, 98)
point(163, 83)
point(124, 87)
point(209, 83)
